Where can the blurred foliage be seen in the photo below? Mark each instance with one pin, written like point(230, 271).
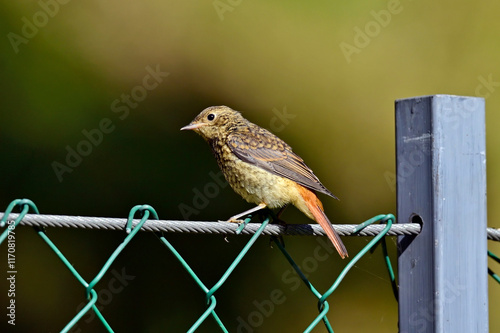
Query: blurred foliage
point(260, 57)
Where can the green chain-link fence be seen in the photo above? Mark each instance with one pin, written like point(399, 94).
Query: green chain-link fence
point(148, 214)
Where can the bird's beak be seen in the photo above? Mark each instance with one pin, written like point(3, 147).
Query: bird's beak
point(193, 126)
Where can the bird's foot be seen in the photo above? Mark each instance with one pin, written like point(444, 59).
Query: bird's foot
point(246, 214)
point(234, 220)
point(276, 219)
point(280, 222)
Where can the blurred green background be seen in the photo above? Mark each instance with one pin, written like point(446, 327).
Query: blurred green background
point(68, 66)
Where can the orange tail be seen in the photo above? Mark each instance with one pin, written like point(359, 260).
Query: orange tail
point(316, 208)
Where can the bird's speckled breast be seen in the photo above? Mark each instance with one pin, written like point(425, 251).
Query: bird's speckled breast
point(253, 183)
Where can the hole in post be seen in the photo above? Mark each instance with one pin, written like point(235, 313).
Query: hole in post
point(415, 218)
point(406, 240)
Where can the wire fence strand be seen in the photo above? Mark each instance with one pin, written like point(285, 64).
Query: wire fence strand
point(217, 227)
point(377, 227)
point(206, 227)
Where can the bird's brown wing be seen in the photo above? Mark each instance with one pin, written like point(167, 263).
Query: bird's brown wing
point(261, 148)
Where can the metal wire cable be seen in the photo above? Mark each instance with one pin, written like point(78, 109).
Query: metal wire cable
point(225, 228)
point(221, 227)
point(144, 212)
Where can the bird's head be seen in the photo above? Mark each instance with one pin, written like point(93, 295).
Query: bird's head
point(213, 122)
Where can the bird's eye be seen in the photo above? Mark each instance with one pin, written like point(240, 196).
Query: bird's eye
point(211, 117)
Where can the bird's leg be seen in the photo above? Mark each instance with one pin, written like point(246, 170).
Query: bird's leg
point(281, 212)
point(236, 218)
point(277, 217)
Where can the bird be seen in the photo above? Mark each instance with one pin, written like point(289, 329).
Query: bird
point(262, 168)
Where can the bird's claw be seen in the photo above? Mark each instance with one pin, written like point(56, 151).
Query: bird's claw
point(233, 221)
point(236, 221)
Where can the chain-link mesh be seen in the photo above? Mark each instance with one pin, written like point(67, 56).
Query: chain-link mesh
point(378, 227)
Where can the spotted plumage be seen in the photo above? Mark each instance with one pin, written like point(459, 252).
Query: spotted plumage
point(261, 167)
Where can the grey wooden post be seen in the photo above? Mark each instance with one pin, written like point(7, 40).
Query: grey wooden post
point(441, 183)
